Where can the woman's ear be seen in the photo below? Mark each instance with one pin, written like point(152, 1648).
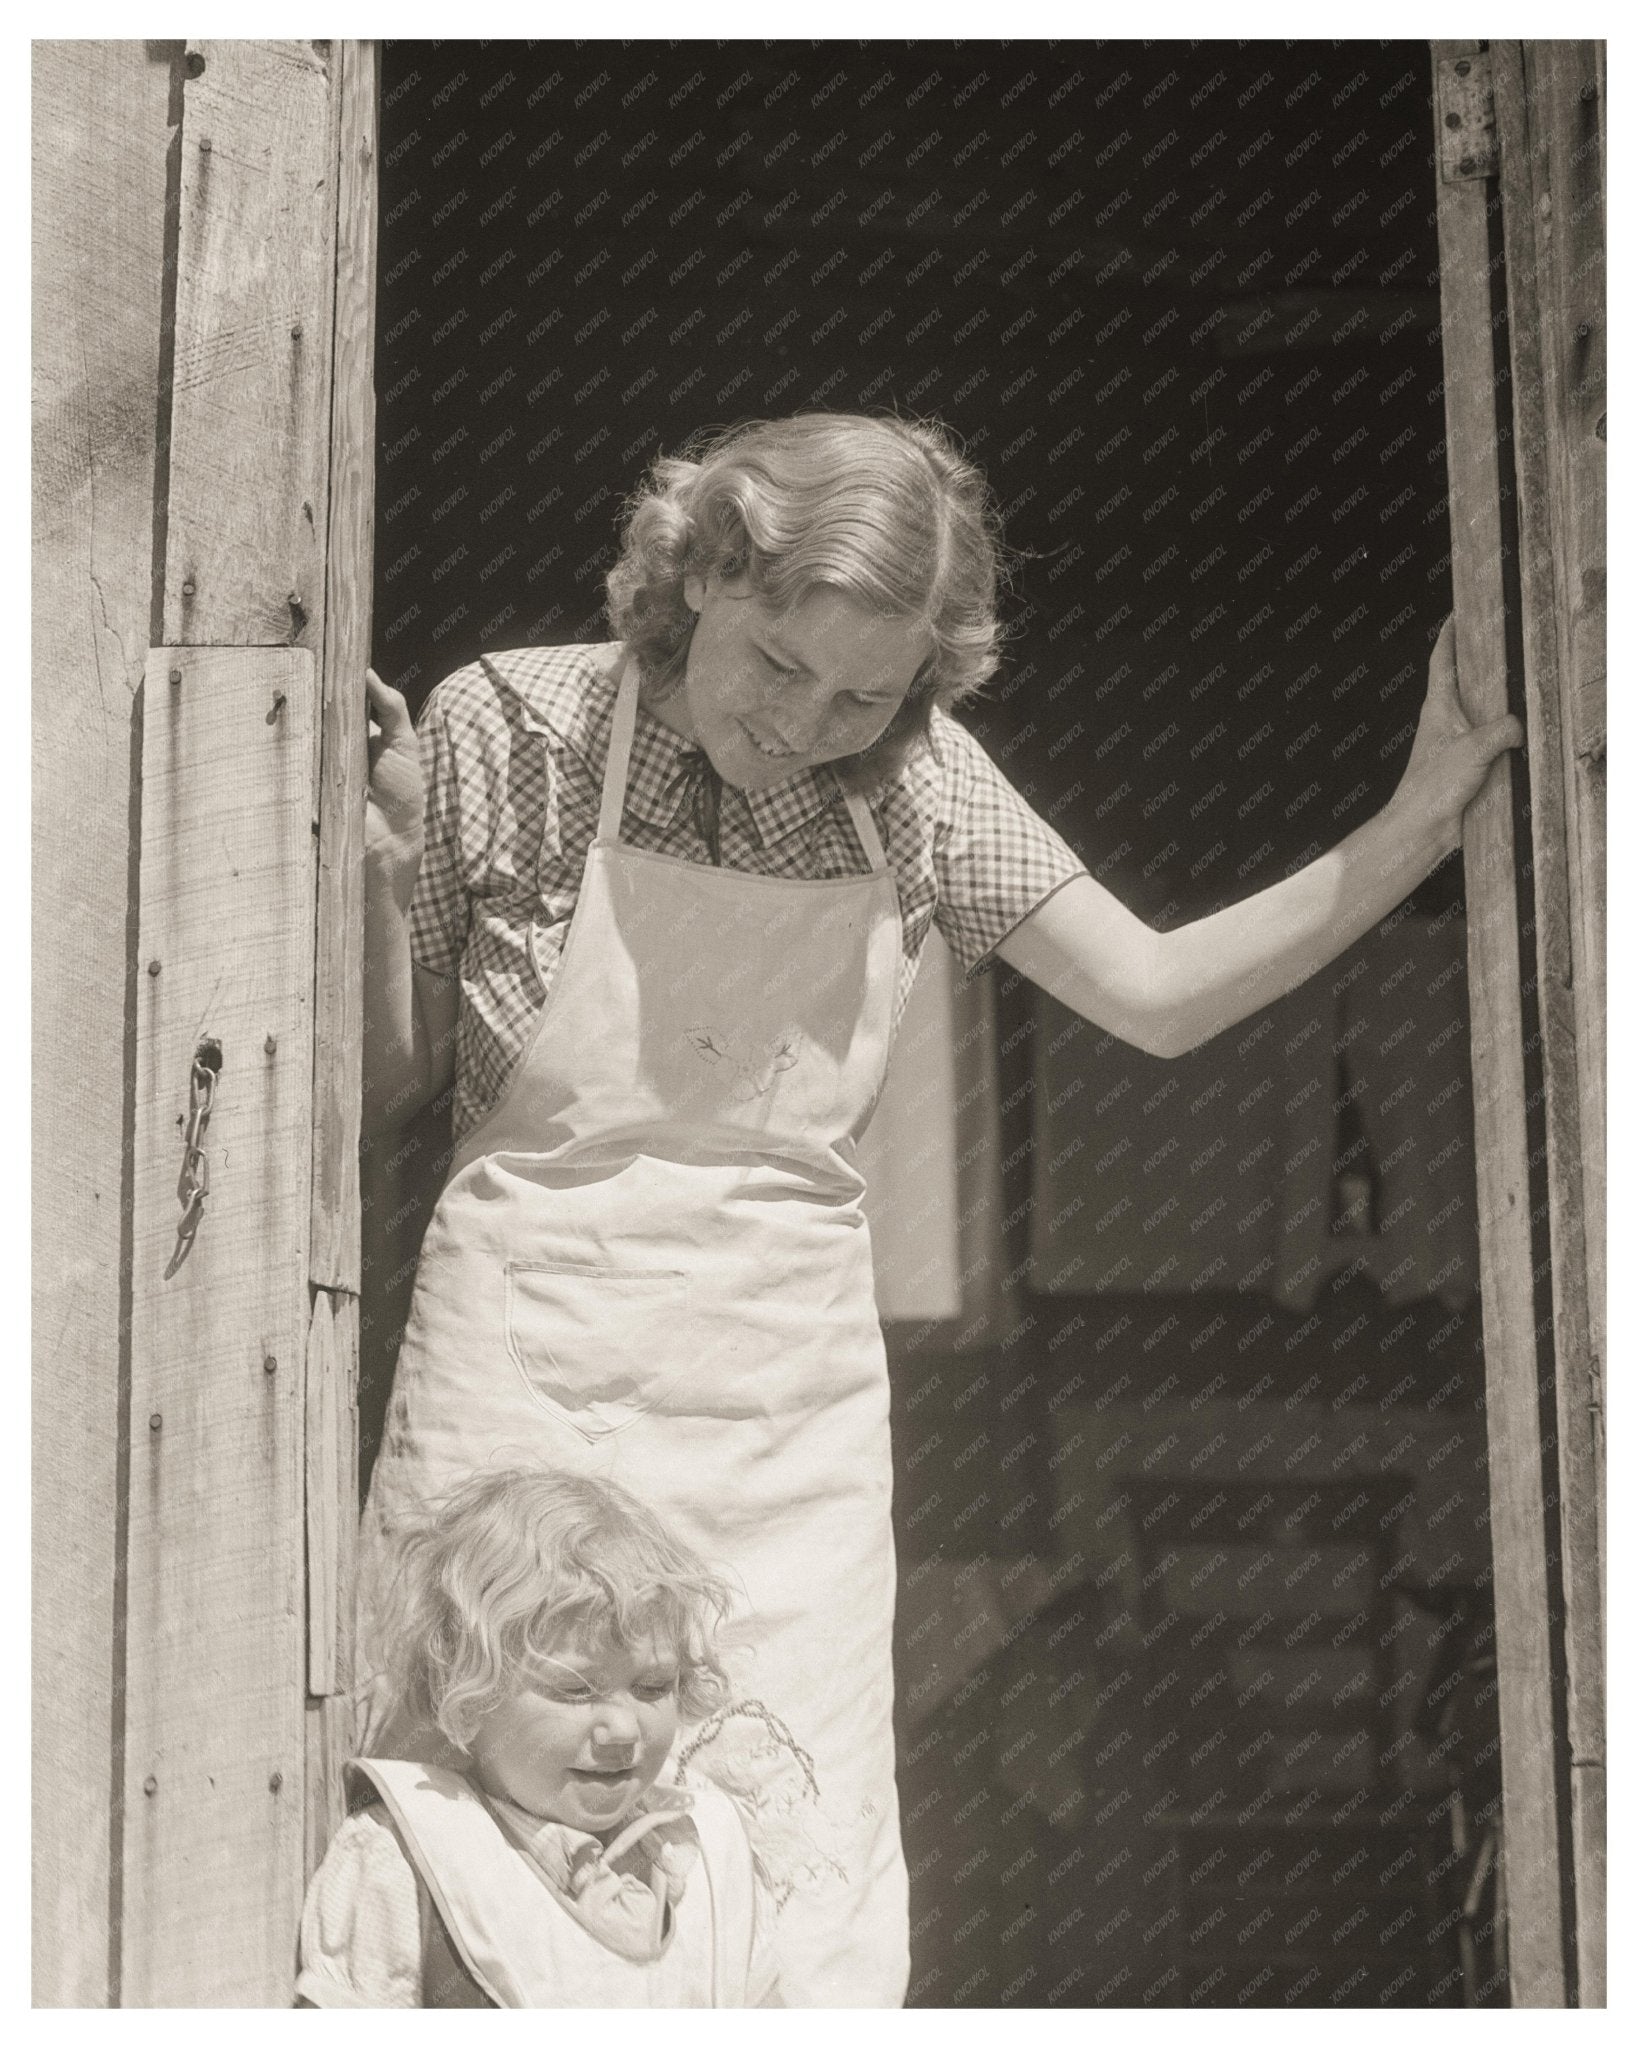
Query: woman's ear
point(694, 591)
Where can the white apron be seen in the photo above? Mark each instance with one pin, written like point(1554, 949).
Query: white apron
point(650, 1264)
point(525, 1948)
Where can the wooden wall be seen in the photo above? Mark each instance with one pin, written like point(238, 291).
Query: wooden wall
point(101, 134)
point(203, 516)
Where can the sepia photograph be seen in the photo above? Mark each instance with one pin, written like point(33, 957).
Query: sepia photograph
point(818, 1023)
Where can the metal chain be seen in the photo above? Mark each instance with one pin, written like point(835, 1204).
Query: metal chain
point(194, 1184)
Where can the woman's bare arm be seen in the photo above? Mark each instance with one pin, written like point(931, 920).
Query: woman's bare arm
point(1168, 992)
point(409, 1013)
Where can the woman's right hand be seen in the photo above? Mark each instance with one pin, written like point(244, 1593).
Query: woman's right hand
point(393, 819)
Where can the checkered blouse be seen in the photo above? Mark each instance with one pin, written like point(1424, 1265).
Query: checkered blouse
point(513, 748)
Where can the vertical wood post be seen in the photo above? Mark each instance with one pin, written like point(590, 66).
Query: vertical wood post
point(244, 1352)
point(1518, 1519)
point(101, 133)
point(214, 1733)
point(332, 1493)
point(1548, 112)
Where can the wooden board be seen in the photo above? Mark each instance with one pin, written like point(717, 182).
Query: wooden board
point(1564, 84)
point(1518, 1508)
point(1552, 193)
point(332, 1742)
point(244, 556)
point(101, 133)
point(331, 1380)
point(215, 1713)
point(338, 1017)
point(332, 1523)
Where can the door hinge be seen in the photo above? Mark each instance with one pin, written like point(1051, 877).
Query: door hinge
point(1467, 117)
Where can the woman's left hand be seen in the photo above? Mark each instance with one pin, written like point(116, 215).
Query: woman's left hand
point(1451, 756)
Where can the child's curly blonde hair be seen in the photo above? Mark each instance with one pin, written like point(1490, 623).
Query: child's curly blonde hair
point(512, 1566)
point(888, 512)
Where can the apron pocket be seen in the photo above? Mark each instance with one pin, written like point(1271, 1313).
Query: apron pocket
point(590, 1340)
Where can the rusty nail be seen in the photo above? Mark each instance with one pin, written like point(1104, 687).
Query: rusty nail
point(1453, 120)
point(270, 1045)
point(1463, 67)
point(1599, 428)
point(270, 1363)
point(156, 1422)
point(176, 675)
point(295, 332)
point(1582, 330)
point(196, 64)
point(276, 1781)
point(1466, 167)
point(150, 1786)
point(187, 590)
point(204, 145)
point(278, 704)
point(153, 966)
point(1589, 92)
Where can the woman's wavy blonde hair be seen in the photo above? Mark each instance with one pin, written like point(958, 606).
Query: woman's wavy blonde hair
point(514, 1565)
point(887, 511)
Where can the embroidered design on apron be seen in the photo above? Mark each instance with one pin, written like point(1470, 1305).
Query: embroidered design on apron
point(650, 1263)
point(749, 1753)
point(755, 1072)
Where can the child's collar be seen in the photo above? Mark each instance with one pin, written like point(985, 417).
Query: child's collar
point(622, 1891)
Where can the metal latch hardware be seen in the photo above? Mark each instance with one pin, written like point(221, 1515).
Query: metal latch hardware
point(1467, 117)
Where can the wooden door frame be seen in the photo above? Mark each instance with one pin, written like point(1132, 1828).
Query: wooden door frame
point(1519, 147)
point(264, 518)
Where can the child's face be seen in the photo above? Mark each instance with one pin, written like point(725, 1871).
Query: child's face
point(583, 1739)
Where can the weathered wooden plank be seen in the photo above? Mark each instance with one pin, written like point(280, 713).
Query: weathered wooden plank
point(332, 1521)
point(339, 1005)
point(1547, 104)
point(1563, 86)
point(244, 558)
point(215, 1737)
point(332, 1487)
point(1518, 1511)
point(332, 1742)
point(100, 136)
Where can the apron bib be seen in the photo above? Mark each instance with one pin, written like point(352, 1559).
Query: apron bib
point(650, 1264)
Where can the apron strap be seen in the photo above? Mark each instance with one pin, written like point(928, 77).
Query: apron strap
point(865, 825)
point(619, 764)
point(619, 761)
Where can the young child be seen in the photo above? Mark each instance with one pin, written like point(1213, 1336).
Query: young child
point(555, 1635)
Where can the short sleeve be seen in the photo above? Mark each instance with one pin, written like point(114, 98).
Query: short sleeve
point(361, 1922)
point(995, 859)
point(466, 761)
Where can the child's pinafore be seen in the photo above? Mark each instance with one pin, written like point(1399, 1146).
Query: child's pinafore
point(521, 1937)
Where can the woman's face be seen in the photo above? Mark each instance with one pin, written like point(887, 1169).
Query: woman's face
point(769, 693)
point(584, 1739)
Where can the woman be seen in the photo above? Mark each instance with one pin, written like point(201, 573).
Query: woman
point(654, 914)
